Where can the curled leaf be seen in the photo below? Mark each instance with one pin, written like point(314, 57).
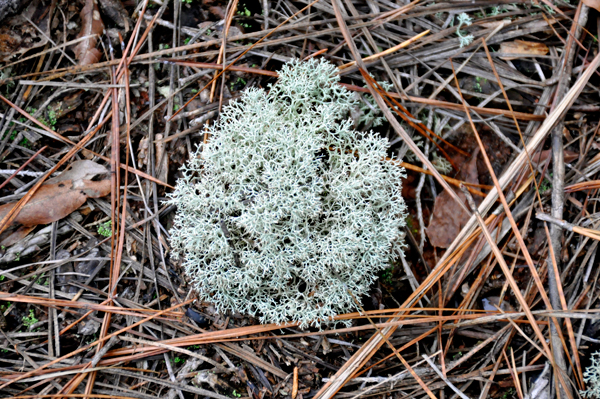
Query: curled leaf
point(91, 25)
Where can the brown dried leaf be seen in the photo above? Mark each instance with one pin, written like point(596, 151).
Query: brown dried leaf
point(91, 24)
point(11, 237)
point(448, 217)
point(79, 170)
point(542, 156)
point(53, 202)
point(61, 195)
point(592, 3)
point(522, 47)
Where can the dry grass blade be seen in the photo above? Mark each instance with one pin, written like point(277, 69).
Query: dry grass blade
point(522, 246)
point(5, 182)
point(517, 165)
point(590, 233)
point(95, 343)
point(511, 281)
point(387, 341)
point(409, 118)
point(565, 308)
point(59, 303)
point(388, 51)
point(587, 185)
point(426, 101)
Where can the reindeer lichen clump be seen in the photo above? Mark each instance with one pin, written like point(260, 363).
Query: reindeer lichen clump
point(288, 214)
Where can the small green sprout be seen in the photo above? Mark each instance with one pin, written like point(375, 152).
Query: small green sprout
point(51, 118)
point(105, 229)
point(239, 82)
point(236, 394)
point(30, 320)
point(497, 10)
point(508, 394)
point(387, 275)
point(93, 338)
point(411, 226)
point(12, 137)
point(187, 40)
point(25, 143)
point(545, 186)
point(42, 280)
point(244, 12)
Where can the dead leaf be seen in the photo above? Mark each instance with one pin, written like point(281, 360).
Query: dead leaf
point(522, 47)
point(542, 156)
point(62, 195)
point(88, 327)
point(91, 24)
point(53, 202)
point(448, 217)
point(9, 238)
point(79, 170)
point(162, 161)
point(592, 3)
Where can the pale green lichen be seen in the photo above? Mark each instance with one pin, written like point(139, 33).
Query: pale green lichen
point(288, 213)
point(464, 39)
point(369, 111)
point(441, 164)
point(591, 376)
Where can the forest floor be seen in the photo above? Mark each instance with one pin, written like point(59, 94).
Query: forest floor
point(104, 101)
